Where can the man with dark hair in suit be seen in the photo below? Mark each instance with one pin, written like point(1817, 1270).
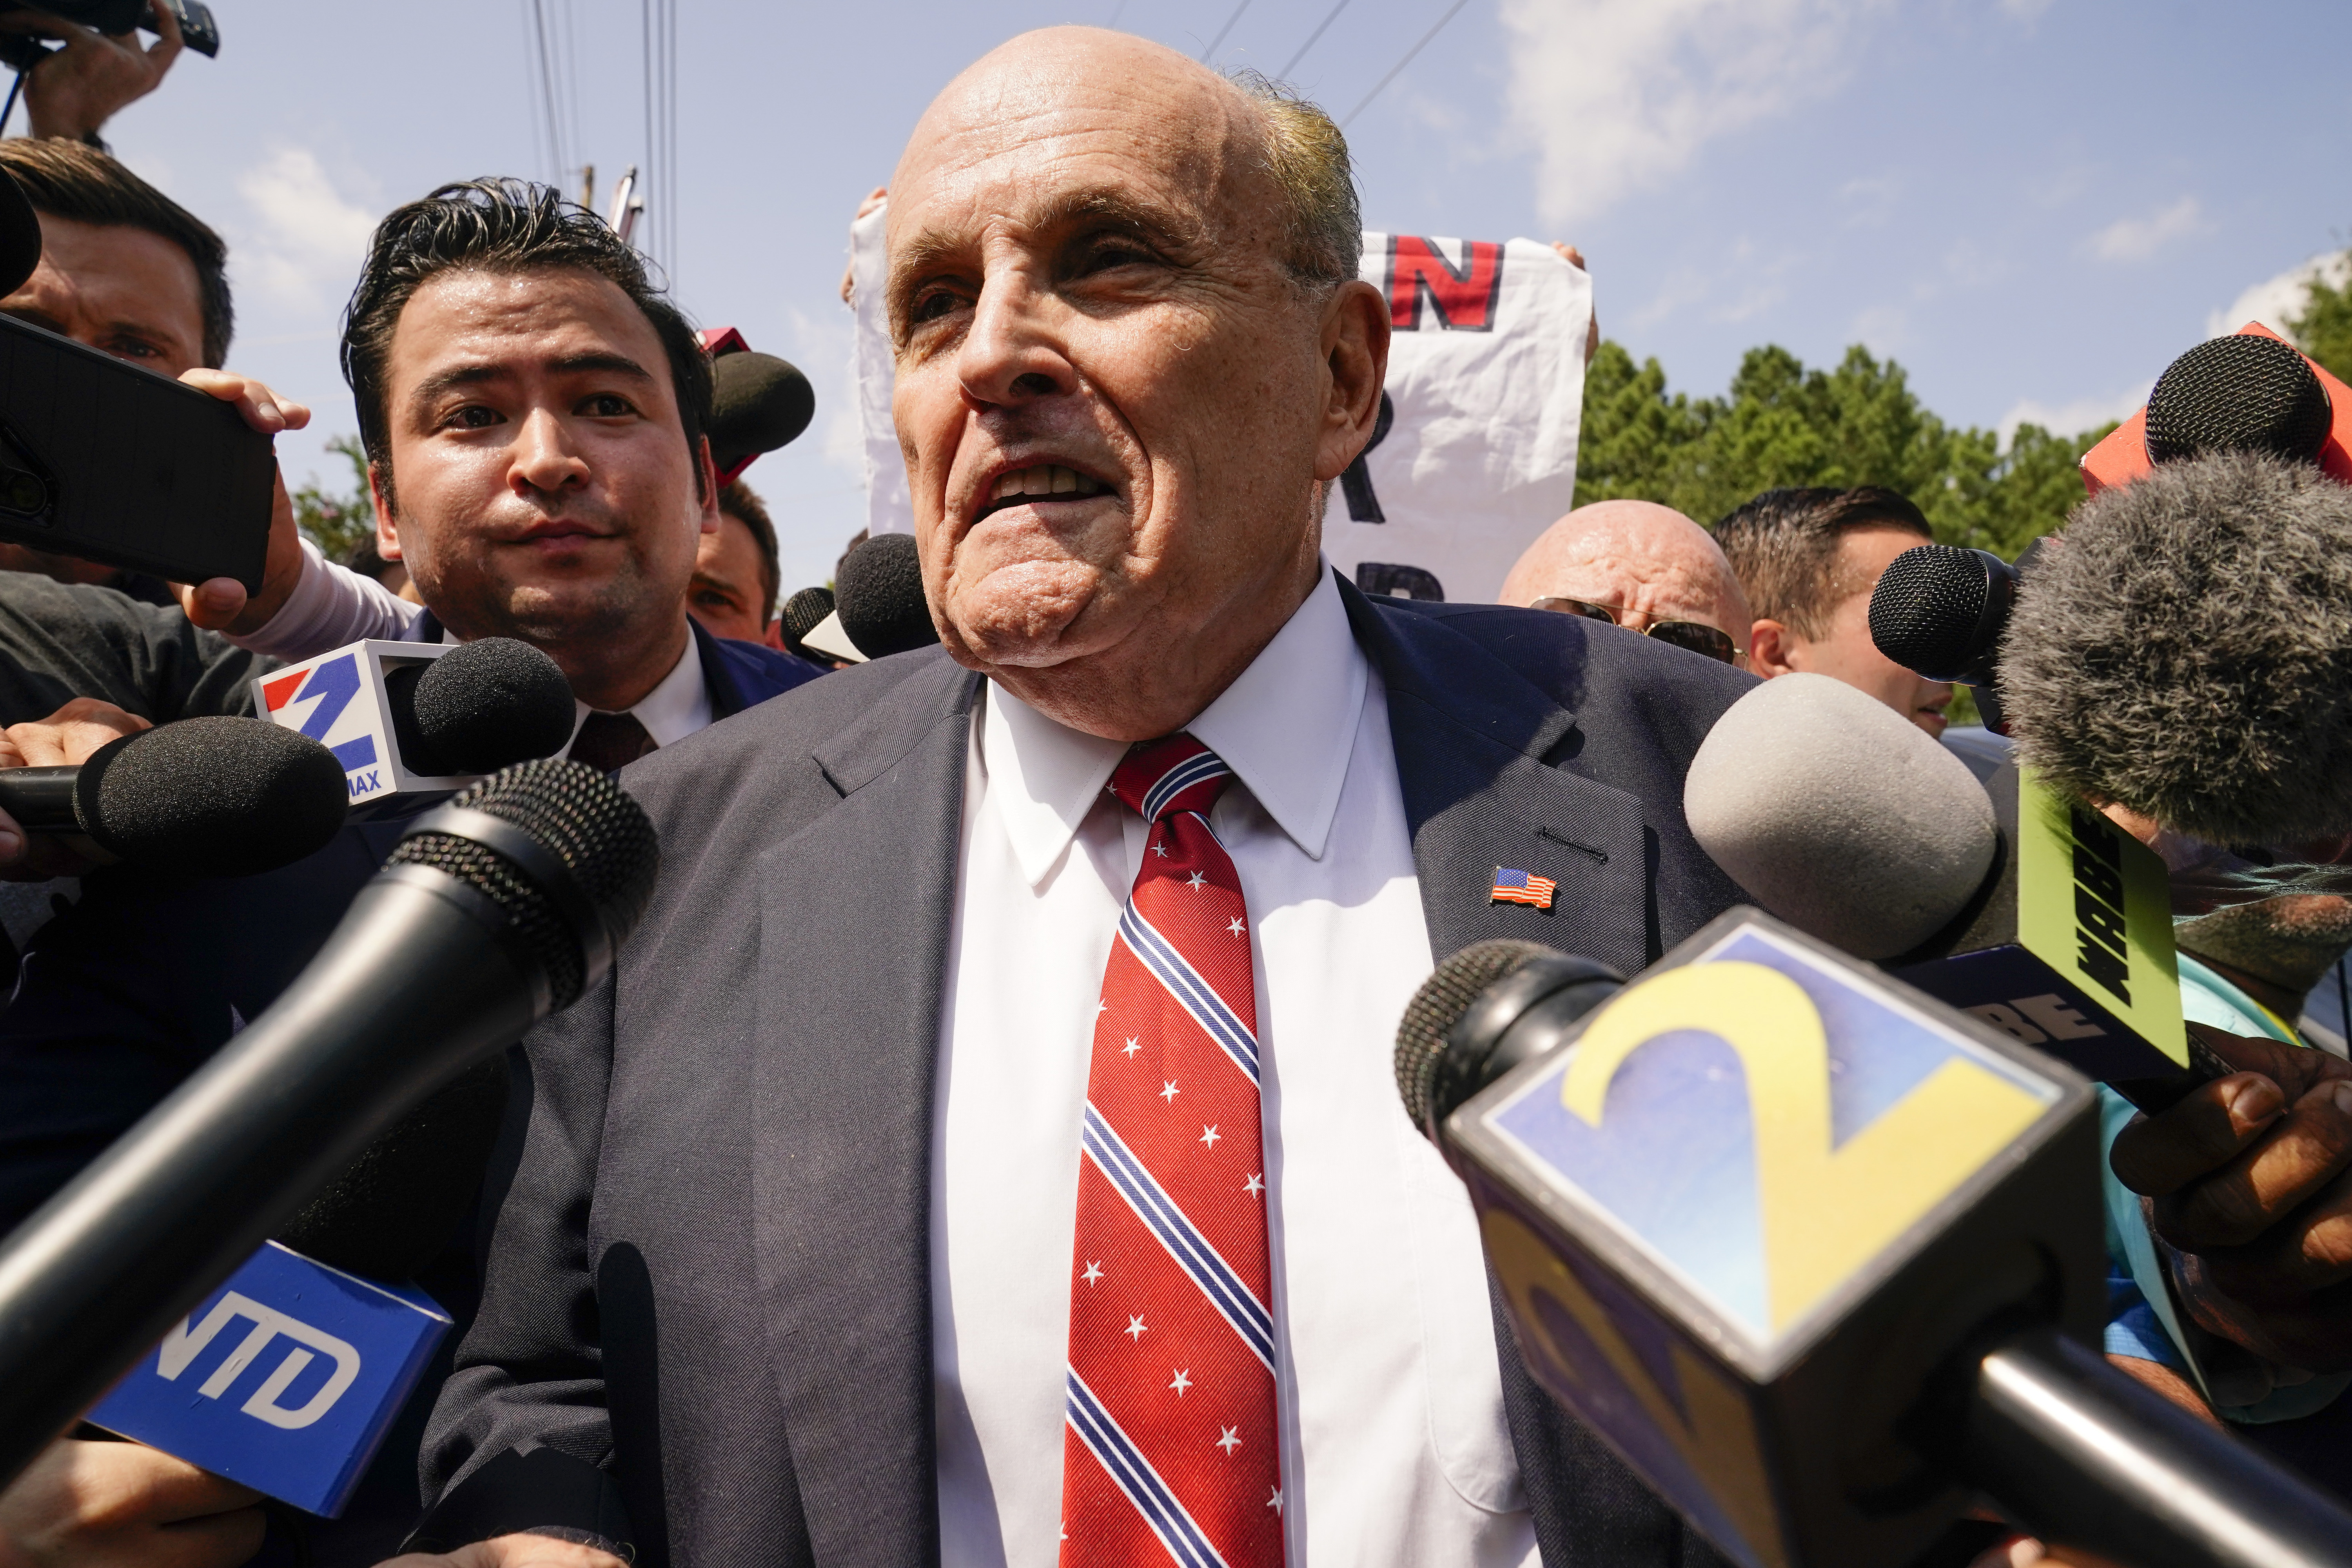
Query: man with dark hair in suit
point(986, 1151)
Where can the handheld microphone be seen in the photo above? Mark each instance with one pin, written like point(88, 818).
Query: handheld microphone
point(878, 595)
point(496, 909)
point(758, 401)
point(2187, 651)
point(802, 613)
point(202, 797)
point(409, 721)
point(1939, 612)
point(2041, 919)
point(2247, 392)
point(1816, 1255)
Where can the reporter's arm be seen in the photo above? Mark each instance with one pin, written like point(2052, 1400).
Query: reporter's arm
point(125, 1505)
point(65, 739)
point(513, 1551)
point(78, 88)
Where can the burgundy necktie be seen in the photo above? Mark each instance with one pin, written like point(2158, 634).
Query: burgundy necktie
point(610, 742)
point(1168, 1453)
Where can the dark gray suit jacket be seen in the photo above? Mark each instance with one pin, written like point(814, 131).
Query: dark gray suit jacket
point(708, 1277)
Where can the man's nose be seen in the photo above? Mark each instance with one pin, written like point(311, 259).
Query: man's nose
point(1013, 354)
point(544, 459)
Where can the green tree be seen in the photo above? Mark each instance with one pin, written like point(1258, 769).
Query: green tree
point(1781, 424)
point(337, 523)
point(2324, 329)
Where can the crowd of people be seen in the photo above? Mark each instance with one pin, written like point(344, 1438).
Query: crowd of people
point(789, 1253)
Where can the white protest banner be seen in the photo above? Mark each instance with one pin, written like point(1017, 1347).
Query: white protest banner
point(1475, 453)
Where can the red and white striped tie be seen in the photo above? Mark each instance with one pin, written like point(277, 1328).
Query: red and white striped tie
point(1169, 1451)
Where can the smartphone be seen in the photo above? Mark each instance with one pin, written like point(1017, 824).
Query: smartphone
point(110, 461)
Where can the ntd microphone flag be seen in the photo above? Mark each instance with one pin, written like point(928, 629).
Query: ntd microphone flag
point(286, 1378)
point(339, 699)
point(1743, 1216)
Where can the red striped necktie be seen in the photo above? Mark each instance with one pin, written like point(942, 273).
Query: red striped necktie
point(1169, 1454)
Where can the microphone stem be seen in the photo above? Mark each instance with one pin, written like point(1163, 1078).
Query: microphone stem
point(2079, 1454)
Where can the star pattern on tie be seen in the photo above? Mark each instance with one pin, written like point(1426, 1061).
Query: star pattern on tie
point(1170, 1456)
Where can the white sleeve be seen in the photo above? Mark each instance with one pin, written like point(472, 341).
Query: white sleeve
point(330, 605)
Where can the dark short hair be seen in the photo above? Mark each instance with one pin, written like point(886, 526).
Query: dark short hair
point(75, 181)
point(742, 502)
point(494, 225)
point(1783, 548)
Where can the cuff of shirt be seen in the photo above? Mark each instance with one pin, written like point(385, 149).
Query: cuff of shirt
point(330, 605)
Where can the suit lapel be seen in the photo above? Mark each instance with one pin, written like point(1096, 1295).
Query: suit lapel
point(847, 1035)
point(1471, 736)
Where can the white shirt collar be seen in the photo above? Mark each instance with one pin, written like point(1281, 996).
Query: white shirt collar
point(672, 710)
point(1286, 727)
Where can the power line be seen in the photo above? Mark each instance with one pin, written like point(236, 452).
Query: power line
point(1404, 62)
point(1223, 30)
point(547, 87)
point(1284, 74)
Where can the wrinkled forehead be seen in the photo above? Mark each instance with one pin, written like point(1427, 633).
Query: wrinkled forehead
point(1021, 143)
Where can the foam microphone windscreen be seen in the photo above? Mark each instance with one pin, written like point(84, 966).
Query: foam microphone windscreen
point(2237, 393)
point(212, 797)
point(480, 707)
point(758, 402)
point(878, 594)
point(1839, 815)
point(2186, 651)
point(20, 235)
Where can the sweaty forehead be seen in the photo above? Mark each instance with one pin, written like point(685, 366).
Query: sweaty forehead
point(1063, 114)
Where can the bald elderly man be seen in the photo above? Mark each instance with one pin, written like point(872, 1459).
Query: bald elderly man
point(986, 1151)
point(1639, 566)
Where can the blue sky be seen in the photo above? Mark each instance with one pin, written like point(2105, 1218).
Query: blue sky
point(2033, 205)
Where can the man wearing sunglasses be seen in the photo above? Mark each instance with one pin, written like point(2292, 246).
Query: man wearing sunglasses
point(1639, 566)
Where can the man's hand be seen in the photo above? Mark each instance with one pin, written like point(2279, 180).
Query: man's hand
point(77, 90)
point(2253, 1199)
point(220, 604)
point(124, 1505)
point(510, 1552)
point(65, 739)
point(1575, 258)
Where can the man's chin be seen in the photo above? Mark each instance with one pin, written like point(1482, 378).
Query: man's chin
point(1030, 616)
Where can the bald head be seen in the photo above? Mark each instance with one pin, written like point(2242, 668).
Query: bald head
point(1637, 557)
point(1125, 360)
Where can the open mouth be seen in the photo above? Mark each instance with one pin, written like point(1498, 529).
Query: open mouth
point(1045, 482)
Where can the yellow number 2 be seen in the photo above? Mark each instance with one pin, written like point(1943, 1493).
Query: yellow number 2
point(1825, 1212)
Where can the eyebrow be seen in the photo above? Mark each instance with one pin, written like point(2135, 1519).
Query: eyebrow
point(1107, 206)
point(433, 386)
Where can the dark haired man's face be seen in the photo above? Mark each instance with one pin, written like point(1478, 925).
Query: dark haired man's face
point(117, 289)
point(542, 487)
point(729, 595)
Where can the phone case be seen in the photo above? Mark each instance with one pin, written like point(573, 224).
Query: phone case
point(107, 461)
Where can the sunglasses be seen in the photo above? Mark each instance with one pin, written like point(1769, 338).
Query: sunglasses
point(1696, 635)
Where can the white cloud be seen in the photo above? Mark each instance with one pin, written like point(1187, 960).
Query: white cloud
point(2138, 238)
point(306, 242)
point(2026, 10)
point(2274, 300)
point(2074, 417)
point(1617, 94)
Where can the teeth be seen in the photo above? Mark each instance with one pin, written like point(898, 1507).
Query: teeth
point(1046, 480)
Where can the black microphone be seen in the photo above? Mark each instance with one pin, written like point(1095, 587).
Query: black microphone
point(482, 706)
point(201, 797)
point(758, 402)
point(2237, 393)
point(1939, 611)
point(801, 614)
point(496, 909)
point(878, 594)
point(1815, 1256)
point(2186, 651)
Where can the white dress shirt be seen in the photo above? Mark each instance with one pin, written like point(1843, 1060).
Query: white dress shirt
point(1394, 1445)
point(676, 708)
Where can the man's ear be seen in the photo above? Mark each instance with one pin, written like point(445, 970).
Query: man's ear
point(1356, 349)
point(387, 537)
point(705, 484)
point(1769, 648)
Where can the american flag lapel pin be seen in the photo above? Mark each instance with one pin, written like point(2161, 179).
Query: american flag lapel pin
point(1520, 888)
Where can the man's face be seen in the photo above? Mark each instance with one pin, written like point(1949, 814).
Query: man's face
point(121, 290)
point(1847, 653)
point(1113, 400)
point(542, 487)
point(729, 591)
